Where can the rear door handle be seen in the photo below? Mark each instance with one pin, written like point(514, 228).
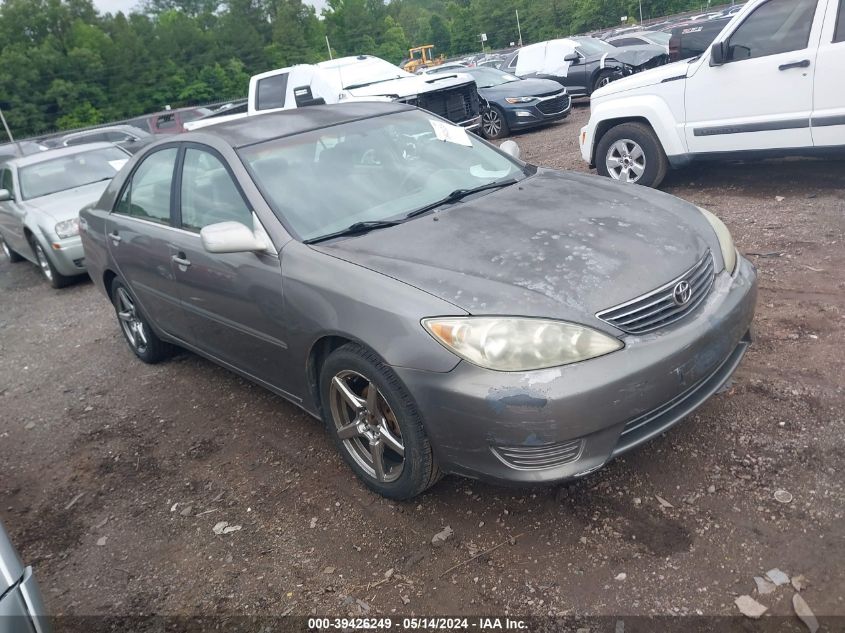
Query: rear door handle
point(804, 63)
point(115, 237)
point(181, 260)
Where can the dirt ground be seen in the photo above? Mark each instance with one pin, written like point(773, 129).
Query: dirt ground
point(113, 473)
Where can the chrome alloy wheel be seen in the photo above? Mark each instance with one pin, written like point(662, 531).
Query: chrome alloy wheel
point(6, 250)
point(133, 326)
point(43, 262)
point(625, 161)
point(367, 426)
point(491, 123)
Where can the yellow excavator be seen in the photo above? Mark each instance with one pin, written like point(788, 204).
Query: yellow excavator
point(422, 57)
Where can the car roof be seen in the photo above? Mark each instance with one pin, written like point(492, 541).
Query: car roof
point(264, 127)
point(123, 127)
point(33, 159)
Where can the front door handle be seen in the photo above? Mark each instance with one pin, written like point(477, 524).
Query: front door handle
point(804, 63)
point(181, 259)
point(115, 237)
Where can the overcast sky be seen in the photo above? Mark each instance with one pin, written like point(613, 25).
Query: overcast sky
point(113, 6)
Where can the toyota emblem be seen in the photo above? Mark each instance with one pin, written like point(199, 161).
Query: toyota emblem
point(682, 293)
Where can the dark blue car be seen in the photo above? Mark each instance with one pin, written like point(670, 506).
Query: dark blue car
point(515, 103)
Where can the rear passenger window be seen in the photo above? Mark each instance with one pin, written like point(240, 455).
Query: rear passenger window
point(779, 26)
point(271, 92)
point(209, 194)
point(839, 35)
point(147, 196)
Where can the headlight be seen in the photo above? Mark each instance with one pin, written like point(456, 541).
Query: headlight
point(519, 344)
point(68, 228)
point(520, 99)
point(726, 242)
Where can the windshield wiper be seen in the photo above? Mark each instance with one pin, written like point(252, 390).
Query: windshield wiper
point(357, 228)
point(460, 194)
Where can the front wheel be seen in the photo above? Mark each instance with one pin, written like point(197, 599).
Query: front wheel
point(135, 327)
point(632, 153)
point(375, 424)
point(56, 279)
point(493, 123)
point(603, 78)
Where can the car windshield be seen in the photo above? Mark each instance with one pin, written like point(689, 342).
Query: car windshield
point(375, 169)
point(659, 37)
point(70, 171)
point(591, 46)
point(489, 77)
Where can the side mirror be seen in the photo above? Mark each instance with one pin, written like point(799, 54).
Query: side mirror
point(510, 148)
point(230, 237)
point(571, 57)
point(717, 54)
point(5, 195)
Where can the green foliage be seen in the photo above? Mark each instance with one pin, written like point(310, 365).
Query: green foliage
point(64, 65)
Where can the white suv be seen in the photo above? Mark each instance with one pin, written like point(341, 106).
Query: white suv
point(772, 84)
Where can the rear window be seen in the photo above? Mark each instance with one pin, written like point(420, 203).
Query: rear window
point(271, 92)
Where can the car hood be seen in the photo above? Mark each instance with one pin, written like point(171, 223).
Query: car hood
point(637, 55)
point(651, 77)
point(409, 86)
point(65, 205)
point(523, 88)
point(557, 245)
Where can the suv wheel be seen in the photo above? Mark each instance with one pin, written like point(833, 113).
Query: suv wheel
point(375, 424)
point(632, 153)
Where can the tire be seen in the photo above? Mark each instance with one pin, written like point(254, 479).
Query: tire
point(45, 265)
point(632, 153)
point(375, 424)
point(136, 328)
point(603, 78)
point(494, 125)
point(11, 255)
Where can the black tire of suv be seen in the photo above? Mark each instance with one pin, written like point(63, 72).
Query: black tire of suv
point(601, 77)
point(419, 471)
point(656, 162)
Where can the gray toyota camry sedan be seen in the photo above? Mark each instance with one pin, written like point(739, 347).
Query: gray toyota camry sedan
point(441, 305)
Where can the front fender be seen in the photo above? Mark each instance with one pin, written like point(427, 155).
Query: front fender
point(664, 116)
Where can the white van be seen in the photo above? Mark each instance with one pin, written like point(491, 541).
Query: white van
point(772, 84)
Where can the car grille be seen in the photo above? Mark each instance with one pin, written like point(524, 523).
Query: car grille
point(456, 104)
point(540, 456)
point(658, 308)
point(554, 106)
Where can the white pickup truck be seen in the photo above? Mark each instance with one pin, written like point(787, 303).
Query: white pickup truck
point(362, 78)
point(772, 84)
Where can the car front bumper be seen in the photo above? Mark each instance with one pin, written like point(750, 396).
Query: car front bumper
point(67, 255)
point(562, 423)
point(524, 115)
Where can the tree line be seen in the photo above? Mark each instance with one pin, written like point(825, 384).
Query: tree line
point(64, 65)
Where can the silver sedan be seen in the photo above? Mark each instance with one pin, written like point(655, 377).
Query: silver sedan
point(40, 199)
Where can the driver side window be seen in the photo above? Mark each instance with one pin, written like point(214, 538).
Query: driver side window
point(209, 195)
point(779, 26)
point(6, 181)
